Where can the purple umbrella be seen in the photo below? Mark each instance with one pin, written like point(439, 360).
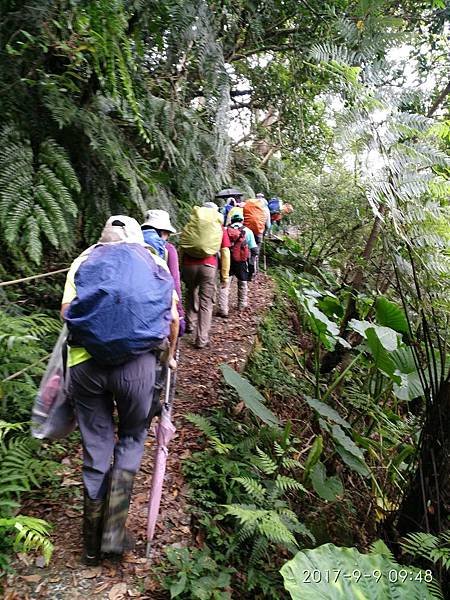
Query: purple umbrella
point(164, 433)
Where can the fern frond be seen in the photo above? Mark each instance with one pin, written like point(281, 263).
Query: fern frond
point(264, 462)
point(253, 487)
point(32, 534)
point(288, 484)
point(210, 432)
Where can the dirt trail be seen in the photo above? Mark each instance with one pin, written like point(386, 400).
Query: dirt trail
point(197, 390)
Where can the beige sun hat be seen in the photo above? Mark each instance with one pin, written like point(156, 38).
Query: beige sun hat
point(120, 228)
point(158, 219)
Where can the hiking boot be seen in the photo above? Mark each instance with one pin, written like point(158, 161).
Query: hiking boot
point(200, 345)
point(115, 540)
point(92, 529)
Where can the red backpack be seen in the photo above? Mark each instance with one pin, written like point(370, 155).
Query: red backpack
point(239, 247)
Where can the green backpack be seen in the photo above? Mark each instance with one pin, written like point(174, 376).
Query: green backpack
point(202, 236)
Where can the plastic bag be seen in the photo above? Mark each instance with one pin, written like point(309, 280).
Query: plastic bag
point(53, 415)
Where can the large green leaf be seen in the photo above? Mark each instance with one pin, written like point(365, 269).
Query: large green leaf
point(313, 455)
point(349, 451)
point(411, 383)
point(381, 356)
point(390, 314)
point(355, 464)
point(249, 395)
point(411, 387)
point(332, 573)
point(344, 440)
point(328, 488)
point(326, 411)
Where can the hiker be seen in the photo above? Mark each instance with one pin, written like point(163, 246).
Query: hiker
point(278, 210)
point(232, 198)
point(255, 219)
point(119, 304)
point(243, 255)
point(156, 230)
point(260, 196)
point(275, 207)
point(201, 241)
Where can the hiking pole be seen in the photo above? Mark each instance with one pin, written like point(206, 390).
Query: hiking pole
point(264, 254)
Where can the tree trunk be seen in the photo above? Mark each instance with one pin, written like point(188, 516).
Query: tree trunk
point(332, 359)
point(426, 505)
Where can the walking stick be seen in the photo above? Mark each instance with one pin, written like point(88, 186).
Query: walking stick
point(264, 254)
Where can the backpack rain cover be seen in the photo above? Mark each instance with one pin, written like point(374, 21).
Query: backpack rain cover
point(123, 303)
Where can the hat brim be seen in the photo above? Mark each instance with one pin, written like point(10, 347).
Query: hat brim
point(166, 227)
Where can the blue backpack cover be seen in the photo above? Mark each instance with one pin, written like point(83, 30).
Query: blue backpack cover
point(152, 238)
point(274, 206)
point(123, 303)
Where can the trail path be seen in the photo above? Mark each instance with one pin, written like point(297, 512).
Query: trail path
point(197, 390)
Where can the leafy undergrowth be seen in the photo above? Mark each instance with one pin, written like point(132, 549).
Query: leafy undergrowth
point(251, 494)
point(303, 458)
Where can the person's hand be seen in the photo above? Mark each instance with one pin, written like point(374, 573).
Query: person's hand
point(224, 283)
point(166, 358)
point(182, 329)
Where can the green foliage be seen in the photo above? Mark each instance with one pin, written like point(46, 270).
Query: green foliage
point(23, 344)
point(255, 482)
point(345, 574)
point(391, 315)
point(328, 488)
point(252, 399)
point(430, 547)
point(22, 466)
point(30, 534)
point(20, 471)
point(210, 432)
point(193, 573)
point(36, 198)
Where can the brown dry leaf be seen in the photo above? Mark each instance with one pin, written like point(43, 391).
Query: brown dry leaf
point(68, 482)
point(150, 584)
point(40, 562)
point(238, 408)
point(91, 573)
point(24, 558)
point(72, 514)
point(118, 591)
point(31, 578)
point(12, 595)
point(101, 588)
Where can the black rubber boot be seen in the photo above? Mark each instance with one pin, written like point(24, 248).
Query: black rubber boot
point(92, 529)
point(115, 539)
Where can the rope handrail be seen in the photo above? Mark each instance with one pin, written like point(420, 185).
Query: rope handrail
point(27, 368)
point(4, 283)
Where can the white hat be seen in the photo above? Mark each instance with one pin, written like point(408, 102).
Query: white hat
point(211, 205)
point(120, 228)
point(158, 219)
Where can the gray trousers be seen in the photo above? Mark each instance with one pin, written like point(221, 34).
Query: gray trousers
point(224, 295)
point(95, 390)
point(200, 283)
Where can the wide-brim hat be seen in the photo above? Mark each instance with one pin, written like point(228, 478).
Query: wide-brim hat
point(228, 193)
point(121, 228)
point(158, 219)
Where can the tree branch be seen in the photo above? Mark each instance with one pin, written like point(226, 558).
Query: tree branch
point(439, 100)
